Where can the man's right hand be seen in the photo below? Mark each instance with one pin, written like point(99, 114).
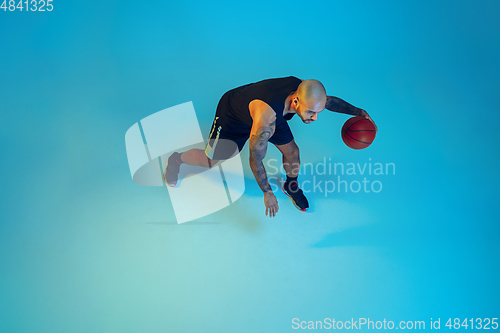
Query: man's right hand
point(367, 116)
point(271, 203)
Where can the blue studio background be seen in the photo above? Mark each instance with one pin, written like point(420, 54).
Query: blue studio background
point(84, 249)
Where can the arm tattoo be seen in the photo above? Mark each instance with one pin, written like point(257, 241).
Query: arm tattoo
point(336, 104)
point(258, 150)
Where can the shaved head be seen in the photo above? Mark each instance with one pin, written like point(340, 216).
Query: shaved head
point(312, 92)
point(309, 100)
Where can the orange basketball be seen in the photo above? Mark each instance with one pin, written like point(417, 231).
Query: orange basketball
point(358, 132)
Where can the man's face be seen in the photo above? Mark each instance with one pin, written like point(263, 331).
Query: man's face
point(308, 110)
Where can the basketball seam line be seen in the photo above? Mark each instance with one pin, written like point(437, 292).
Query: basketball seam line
point(347, 141)
point(363, 130)
point(366, 143)
point(349, 127)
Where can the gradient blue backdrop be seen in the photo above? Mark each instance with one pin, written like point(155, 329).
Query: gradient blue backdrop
point(84, 249)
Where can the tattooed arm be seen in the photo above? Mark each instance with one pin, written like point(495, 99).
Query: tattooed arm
point(336, 104)
point(264, 124)
point(258, 150)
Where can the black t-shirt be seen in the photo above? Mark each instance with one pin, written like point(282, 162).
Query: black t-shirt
point(233, 106)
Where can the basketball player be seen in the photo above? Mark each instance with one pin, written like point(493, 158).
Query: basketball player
point(259, 112)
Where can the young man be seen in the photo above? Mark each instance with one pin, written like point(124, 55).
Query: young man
point(259, 112)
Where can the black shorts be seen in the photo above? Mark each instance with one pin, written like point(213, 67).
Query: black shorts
point(224, 143)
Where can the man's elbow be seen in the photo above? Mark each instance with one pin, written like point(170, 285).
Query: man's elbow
point(255, 157)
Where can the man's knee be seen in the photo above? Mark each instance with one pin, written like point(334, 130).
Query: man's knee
point(211, 162)
point(292, 153)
